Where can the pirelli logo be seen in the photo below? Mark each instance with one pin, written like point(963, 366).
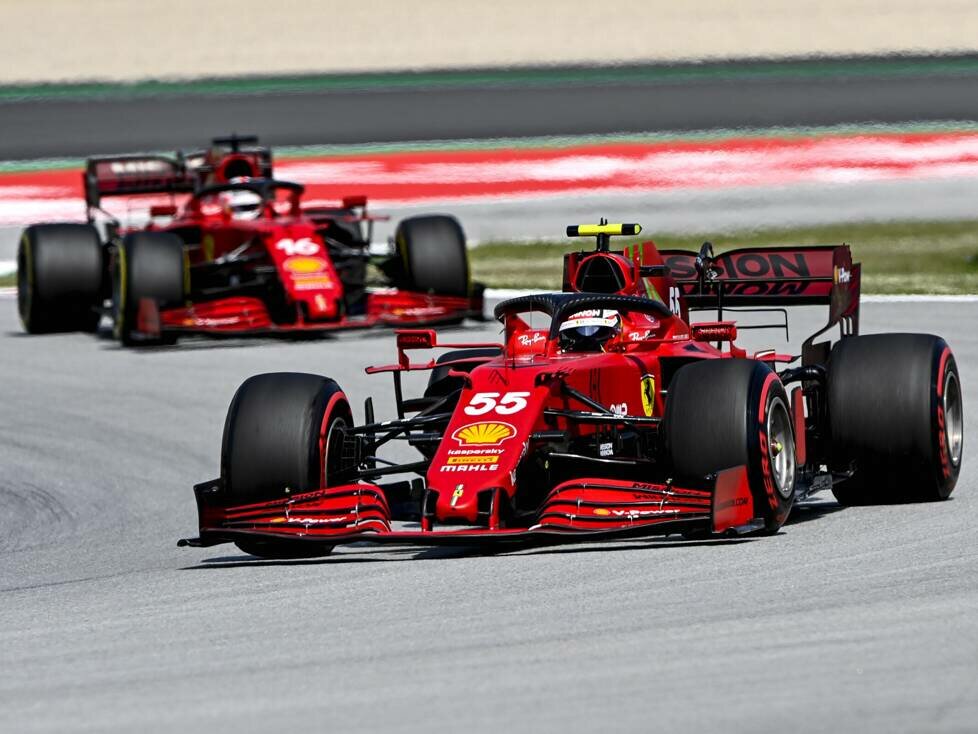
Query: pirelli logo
point(472, 460)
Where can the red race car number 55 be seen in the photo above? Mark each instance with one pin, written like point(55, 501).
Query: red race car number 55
point(487, 402)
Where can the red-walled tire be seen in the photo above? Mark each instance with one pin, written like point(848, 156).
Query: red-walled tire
point(281, 438)
point(722, 413)
point(896, 418)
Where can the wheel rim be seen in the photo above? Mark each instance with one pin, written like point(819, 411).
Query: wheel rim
point(781, 449)
point(953, 417)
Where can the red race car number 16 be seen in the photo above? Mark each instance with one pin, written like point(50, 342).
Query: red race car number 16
point(302, 246)
point(487, 402)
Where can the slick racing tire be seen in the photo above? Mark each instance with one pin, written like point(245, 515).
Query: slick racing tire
point(148, 265)
point(433, 256)
point(283, 435)
point(896, 418)
point(722, 413)
point(60, 271)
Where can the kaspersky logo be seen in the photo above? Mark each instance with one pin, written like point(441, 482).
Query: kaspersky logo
point(486, 433)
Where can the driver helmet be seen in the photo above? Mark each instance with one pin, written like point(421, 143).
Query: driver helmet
point(243, 204)
point(588, 331)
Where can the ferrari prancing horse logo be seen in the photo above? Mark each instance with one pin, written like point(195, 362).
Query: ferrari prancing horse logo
point(648, 394)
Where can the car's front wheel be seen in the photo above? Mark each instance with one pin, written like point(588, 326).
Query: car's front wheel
point(722, 413)
point(149, 266)
point(282, 436)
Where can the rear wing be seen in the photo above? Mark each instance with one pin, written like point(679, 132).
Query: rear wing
point(229, 159)
point(770, 276)
point(134, 175)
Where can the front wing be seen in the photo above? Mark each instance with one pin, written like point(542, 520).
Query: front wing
point(582, 509)
point(246, 315)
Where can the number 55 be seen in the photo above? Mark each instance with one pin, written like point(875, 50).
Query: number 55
point(485, 402)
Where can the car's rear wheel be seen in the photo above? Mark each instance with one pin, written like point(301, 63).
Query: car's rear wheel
point(60, 270)
point(283, 435)
point(896, 418)
point(149, 265)
point(723, 413)
point(432, 255)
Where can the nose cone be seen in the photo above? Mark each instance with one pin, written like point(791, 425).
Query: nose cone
point(485, 440)
point(458, 504)
point(479, 456)
point(476, 456)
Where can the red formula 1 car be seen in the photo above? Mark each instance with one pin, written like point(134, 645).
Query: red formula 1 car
point(242, 255)
point(604, 413)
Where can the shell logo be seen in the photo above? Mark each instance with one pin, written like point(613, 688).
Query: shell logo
point(305, 265)
point(484, 434)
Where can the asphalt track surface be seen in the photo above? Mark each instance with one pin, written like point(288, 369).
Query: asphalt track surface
point(733, 98)
point(857, 618)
